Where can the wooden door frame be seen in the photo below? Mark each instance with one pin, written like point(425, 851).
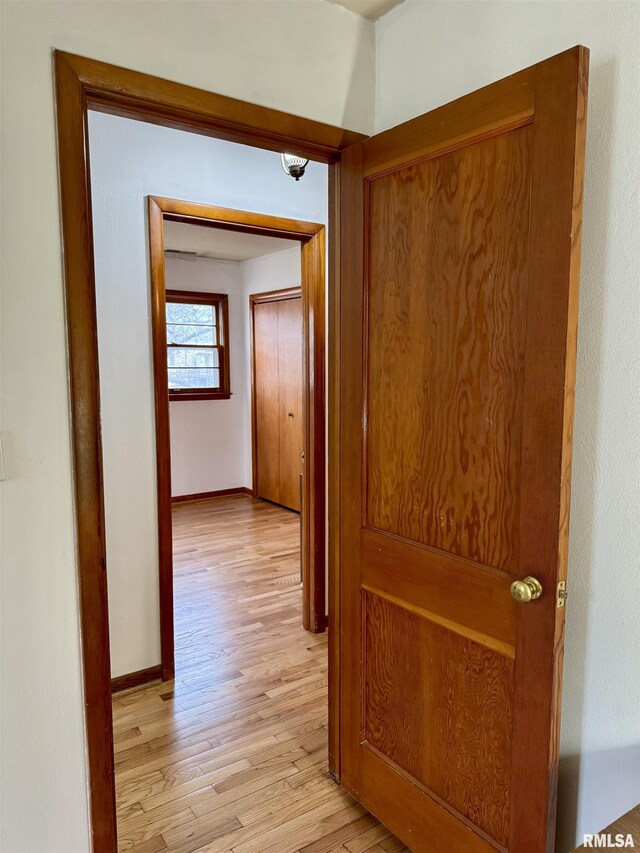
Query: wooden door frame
point(82, 84)
point(261, 299)
point(311, 236)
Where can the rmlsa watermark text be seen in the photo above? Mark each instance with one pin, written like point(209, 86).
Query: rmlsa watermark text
point(604, 839)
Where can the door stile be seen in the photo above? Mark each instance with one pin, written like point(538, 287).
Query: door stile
point(313, 312)
point(351, 358)
point(554, 257)
point(334, 470)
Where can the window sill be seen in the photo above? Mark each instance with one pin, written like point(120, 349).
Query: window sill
point(199, 395)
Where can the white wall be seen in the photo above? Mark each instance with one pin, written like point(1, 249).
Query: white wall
point(211, 439)
point(270, 272)
point(207, 436)
point(318, 63)
point(427, 54)
point(130, 160)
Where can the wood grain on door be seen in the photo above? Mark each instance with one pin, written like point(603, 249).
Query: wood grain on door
point(267, 386)
point(460, 237)
point(290, 403)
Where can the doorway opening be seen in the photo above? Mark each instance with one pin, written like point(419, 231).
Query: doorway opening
point(302, 488)
point(215, 623)
point(82, 85)
point(236, 744)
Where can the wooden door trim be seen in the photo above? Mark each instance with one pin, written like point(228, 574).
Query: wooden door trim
point(275, 295)
point(311, 236)
point(333, 468)
point(145, 97)
point(262, 299)
point(82, 84)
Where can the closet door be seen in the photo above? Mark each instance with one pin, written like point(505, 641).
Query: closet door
point(266, 401)
point(277, 393)
point(290, 405)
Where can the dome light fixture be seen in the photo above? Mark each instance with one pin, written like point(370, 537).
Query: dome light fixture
point(293, 165)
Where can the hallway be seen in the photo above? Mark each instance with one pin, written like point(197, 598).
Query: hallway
point(232, 757)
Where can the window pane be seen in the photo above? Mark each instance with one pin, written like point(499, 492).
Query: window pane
point(191, 314)
point(194, 378)
point(192, 357)
point(191, 334)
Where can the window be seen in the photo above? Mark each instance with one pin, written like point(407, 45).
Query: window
point(197, 349)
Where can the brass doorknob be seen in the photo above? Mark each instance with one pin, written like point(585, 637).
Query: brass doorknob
point(526, 590)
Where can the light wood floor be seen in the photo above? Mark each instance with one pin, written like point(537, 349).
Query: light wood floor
point(233, 755)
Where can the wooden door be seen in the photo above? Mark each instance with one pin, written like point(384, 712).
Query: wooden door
point(267, 400)
point(460, 238)
point(277, 391)
point(290, 376)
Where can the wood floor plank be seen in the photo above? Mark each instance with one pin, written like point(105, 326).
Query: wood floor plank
point(231, 757)
point(371, 838)
point(153, 845)
point(341, 835)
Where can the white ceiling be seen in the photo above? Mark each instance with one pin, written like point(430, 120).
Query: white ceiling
point(372, 9)
point(221, 244)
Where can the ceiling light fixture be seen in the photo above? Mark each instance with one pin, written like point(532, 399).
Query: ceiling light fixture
point(293, 165)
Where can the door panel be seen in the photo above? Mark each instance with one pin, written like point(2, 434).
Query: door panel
point(459, 269)
point(290, 370)
point(435, 703)
point(446, 322)
point(265, 319)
